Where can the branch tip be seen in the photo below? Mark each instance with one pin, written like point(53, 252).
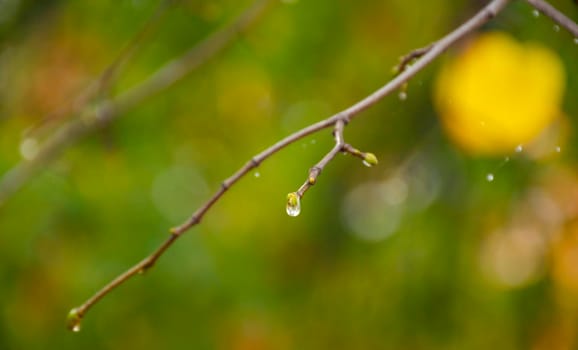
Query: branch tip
point(74, 319)
point(370, 159)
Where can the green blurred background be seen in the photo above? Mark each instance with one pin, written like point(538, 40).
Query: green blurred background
point(420, 252)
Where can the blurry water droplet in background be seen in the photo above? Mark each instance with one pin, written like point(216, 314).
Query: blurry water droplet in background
point(29, 148)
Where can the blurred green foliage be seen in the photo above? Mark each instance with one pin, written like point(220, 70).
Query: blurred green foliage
point(419, 252)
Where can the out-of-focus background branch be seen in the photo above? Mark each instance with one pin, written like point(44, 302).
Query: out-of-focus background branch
point(420, 252)
point(90, 118)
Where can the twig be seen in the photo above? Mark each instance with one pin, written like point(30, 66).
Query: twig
point(293, 207)
point(338, 121)
point(316, 170)
point(104, 112)
point(404, 61)
point(340, 146)
point(555, 15)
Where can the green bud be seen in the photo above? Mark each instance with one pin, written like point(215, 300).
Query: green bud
point(292, 199)
point(73, 320)
point(369, 159)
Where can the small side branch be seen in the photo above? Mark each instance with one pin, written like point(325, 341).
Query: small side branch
point(557, 16)
point(369, 159)
point(316, 170)
point(411, 57)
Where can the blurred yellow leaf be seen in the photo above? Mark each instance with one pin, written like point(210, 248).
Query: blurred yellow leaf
point(499, 93)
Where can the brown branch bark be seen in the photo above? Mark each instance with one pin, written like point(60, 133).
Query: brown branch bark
point(406, 60)
point(337, 121)
point(316, 170)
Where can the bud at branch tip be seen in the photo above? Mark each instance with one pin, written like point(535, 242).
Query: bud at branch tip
point(369, 159)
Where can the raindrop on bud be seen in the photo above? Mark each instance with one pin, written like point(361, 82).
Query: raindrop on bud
point(73, 320)
point(293, 206)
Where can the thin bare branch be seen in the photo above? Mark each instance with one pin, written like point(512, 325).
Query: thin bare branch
point(338, 121)
point(437, 48)
point(369, 159)
point(316, 170)
point(555, 15)
point(93, 118)
point(406, 60)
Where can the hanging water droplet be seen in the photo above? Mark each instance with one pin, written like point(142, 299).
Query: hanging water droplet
point(536, 13)
point(257, 174)
point(556, 28)
point(490, 177)
point(29, 148)
point(314, 141)
point(293, 206)
point(73, 320)
point(402, 95)
point(507, 159)
point(576, 41)
point(558, 149)
point(519, 148)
